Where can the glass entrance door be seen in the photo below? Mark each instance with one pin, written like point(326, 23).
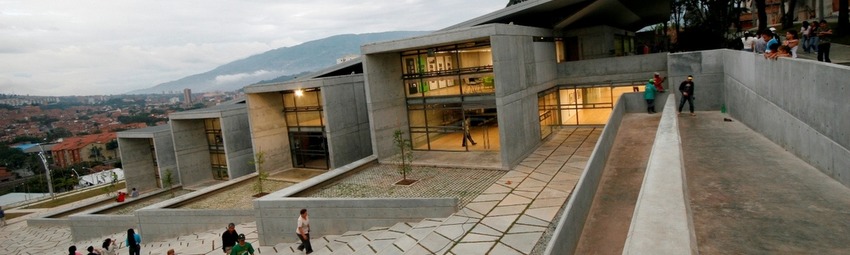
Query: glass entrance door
point(309, 150)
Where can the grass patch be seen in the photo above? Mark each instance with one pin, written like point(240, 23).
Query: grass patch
point(10, 216)
point(74, 198)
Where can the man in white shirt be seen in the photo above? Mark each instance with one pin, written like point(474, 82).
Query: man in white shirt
point(303, 232)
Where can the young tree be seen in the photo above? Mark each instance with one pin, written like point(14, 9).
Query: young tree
point(843, 18)
point(405, 153)
point(762, 15)
point(788, 18)
point(262, 175)
point(168, 181)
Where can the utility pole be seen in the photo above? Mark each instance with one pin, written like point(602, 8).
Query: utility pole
point(46, 170)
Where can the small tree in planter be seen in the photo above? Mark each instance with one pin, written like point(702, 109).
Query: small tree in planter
point(168, 181)
point(262, 175)
point(405, 156)
point(108, 189)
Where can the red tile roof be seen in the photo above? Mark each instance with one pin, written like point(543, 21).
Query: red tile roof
point(75, 143)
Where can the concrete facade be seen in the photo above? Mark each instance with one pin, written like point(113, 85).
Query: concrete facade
point(522, 67)
point(345, 115)
point(795, 103)
point(140, 169)
point(597, 41)
point(192, 150)
point(628, 68)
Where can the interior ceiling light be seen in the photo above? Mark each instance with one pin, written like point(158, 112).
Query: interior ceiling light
point(299, 92)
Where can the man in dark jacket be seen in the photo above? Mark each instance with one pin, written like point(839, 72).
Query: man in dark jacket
point(687, 89)
point(228, 238)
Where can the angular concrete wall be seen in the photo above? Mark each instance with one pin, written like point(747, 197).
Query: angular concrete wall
point(707, 67)
point(566, 236)
point(619, 69)
point(137, 161)
point(522, 68)
point(385, 101)
point(597, 41)
point(191, 150)
point(277, 218)
point(158, 224)
point(799, 104)
point(347, 127)
point(163, 145)
point(236, 132)
point(268, 130)
point(87, 226)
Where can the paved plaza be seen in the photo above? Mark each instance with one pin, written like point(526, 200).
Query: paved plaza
point(510, 217)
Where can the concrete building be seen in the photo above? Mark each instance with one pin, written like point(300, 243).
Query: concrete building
point(500, 79)
point(146, 155)
point(318, 121)
point(212, 144)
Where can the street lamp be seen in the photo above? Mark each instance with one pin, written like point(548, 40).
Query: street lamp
point(46, 169)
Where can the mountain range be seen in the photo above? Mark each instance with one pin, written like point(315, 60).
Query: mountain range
point(279, 64)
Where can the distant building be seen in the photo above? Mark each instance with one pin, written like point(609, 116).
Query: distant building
point(74, 150)
point(187, 97)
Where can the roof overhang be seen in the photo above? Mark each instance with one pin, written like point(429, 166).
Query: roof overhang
point(567, 14)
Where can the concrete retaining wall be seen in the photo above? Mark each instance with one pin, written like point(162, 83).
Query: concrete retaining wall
point(158, 224)
point(88, 226)
point(276, 219)
point(566, 235)
point(798, 104)
point(662, 222)
point(629, 68)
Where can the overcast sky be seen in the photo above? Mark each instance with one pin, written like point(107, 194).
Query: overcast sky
point(87, 47)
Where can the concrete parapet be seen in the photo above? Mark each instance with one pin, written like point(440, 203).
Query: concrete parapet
point(88, 226)
point(568, 231)
point(158, 224)
point(662, 221)
point(635, 103)
point(628, 68)
point(277, 218)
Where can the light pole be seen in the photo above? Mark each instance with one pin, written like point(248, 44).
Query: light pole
point(46, 169)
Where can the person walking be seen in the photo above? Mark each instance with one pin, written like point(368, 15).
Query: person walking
point(242, 247)
point(229, 238)
point(133, 242)
point(687, 90)
point(825, 35)
point(303, 232)
point(649, 95)
point(466, 135)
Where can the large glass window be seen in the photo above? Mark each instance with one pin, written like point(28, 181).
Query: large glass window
point(448, 70)
point(215, 143)
point(306, 124)
point(547, 103)
point(581, 105)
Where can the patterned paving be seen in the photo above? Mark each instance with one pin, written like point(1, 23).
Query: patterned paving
point(508, 217)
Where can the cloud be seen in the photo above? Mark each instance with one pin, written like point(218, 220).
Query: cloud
point(89, 47)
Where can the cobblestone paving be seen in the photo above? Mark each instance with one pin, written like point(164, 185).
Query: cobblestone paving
point(378, 181)
point(238, 196)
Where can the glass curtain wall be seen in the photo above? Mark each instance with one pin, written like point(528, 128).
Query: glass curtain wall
point(450, 101)
point(218, 160)
point(580, 105)
point(306, 125)
point(547, 102)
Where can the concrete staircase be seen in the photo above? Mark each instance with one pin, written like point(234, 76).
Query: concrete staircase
point(429, 236)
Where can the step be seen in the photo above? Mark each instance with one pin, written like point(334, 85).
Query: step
point(449, 232)
point(342, 244)
point(408, 241)
point(384, 239)
point(292, 248)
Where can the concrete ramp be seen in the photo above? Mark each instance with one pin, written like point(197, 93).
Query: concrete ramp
point(750, 196)
point(614, 203)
